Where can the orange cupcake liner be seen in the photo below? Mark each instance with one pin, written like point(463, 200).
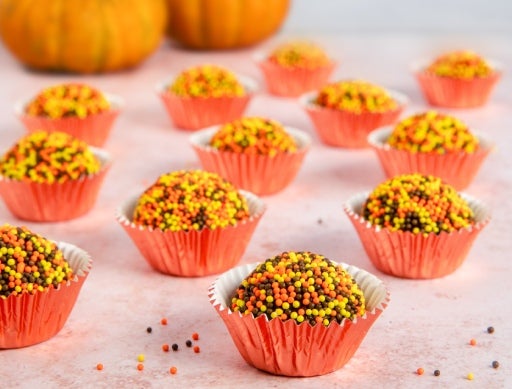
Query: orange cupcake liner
point(260, 174)
point(292, 82)
point(194, 113)
point(94, 129)
point(291, 349)
point(41, 202)
point(192, 253)
point(457, 169)
point(29, 319)
point(406, 255)
point(456, 93)
point(347, 129)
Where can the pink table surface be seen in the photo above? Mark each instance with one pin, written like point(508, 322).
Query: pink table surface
point(427, 324)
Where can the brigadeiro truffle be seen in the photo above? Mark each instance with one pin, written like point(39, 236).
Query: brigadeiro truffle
point(191, 222)
point(416, 226)
point(78, 109)
point(295, 67)
point(431, 143)
point(345, 112)
point(298, 313)
point(39, 283)
point(51, 176)
point(458, 79)
point(205, 95)
point(255, 153)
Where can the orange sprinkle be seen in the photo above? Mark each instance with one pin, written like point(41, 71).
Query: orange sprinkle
point(173, 370)
point(420, 371)
point(99, 366)
point(195, 336)
point(163, 321)
point(472, 342)
point(165, 347)
point(140, 367)
point(197, 350)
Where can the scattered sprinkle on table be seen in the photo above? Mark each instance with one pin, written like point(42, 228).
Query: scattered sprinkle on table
point(495, 364)
point(472, 342)
point(420, 371)
point(490, 330)
point(99, 366)
point(197, 350)
point(173, 370)
point(141, 357)
point(175, 347)
point(188, 343)
point(470, 376)
point(437, 373)
point(163, 321)
point(165, 347)
point(140, 367)
point(195, 336)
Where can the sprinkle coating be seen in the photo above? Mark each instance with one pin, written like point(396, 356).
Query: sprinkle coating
point(49, 157)
point(207, 81)
point(357, 96)
point(464, 64)
point(301, 286)
point(68, 100)
point(253, 135)
point(299, 54)
point(29, 263)
point(188, 200)
point(418, 204)
point(433, 132)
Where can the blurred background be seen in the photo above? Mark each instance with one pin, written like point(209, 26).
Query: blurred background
point(401, 16)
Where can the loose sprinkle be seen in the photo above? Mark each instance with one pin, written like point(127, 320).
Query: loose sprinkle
point(417, 204)
point(460, 64)
point(207, 81)
point(68, 100)
point(44, 157)
point(140, 367)
point(490, 330)
point(470, 376)
point(301, 286)
point(299, 54)
point(175, 347)
point(420, 371)
point(173, 370)
point(472, 342)
point(255, 136)
point(163, 321)
point(30, 263)
point(188, 343)
point(165, 347)
point(99, 366)
point(197, 350)
point(188, 200)
point(437, 373)
point(140, 357)
point(433, 132)
point(149, 330)
point(495, 364)
point(195, 336)
point(356, 96)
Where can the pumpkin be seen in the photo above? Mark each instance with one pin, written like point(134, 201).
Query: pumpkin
point(82, 36)
point(224, 24)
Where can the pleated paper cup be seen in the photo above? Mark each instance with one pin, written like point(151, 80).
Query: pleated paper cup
point(292, 82)
point(260, 174)
point(456, 93)
point(192, 253)
point(456, 168)
point(408, 255)
point(42, 202)
point(93, 129)
point(28, 319)
point(291, 349)
point(346, 129)
point(192, 113)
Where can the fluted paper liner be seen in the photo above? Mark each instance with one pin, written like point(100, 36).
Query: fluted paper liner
point(93, 129)
point(292, 82)
point(406, 255)
point(456, 168)
point(192, 253)
point(42, 202)
point(192, 113)
point(29, 319)
point(347, 129)
point(291, 349)
point(456, 93)
point(260, 174)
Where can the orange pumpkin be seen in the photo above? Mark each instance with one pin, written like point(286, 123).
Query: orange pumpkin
point(83, 36)
point(224, 24)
